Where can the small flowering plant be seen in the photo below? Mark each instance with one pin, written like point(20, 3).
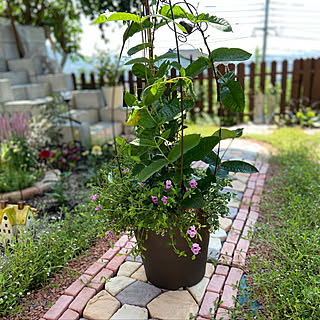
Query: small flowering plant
point(170, 181)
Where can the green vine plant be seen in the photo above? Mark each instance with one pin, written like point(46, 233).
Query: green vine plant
point(160, 173)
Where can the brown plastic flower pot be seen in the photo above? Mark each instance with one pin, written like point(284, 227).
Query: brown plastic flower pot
point(165, 269)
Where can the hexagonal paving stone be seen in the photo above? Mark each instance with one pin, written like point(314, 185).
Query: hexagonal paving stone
point(102, 306)
point(233, 212)
point(116, 284)
point(199, 289)
point(140, 274)
point(130, 312)
point(225, 224)
point(128, 268)
point(173, 305)
point(209, 270)
point(139, 294)
point(220, 234)
point(130, 257)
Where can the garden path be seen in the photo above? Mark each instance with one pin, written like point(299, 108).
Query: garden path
point(128, 295)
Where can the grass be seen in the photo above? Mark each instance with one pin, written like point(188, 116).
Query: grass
point(285, 270)
point(29, 262)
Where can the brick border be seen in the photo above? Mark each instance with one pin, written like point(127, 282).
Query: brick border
point(222, 289)
point(38, 188)
point(223, 286)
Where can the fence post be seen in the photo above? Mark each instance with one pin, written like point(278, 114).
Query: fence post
point(92, 80)
point(210, 91)
point(222, 69)
point(83, 81)
point(273, 72)
point(251, 90)
point(74, 81)
point(306, 78)
point(262, 76)
point(315, 92)
point(131, 84)
point(284, 74)
point(296, 84)
point(240, 76)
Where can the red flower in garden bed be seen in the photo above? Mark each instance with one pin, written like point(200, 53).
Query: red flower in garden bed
point(44, 154)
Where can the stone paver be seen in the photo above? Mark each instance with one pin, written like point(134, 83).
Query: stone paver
point(139, 294)
point(130, 312)
point(173, 305)
point(81, 300)
point(209, 270)
point(225, 224)
point(232, 212)
point(216, 283)
point(117, 284)
point(130, 257)
point(222, 270)
point(128, 268)
point(140, 274)
point(199, 289)
point(70, 315)
point(220, 234)
point(102, 306)
point(238, 185)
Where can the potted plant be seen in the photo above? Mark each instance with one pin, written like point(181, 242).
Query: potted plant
point(164, 187)
point(109, 70)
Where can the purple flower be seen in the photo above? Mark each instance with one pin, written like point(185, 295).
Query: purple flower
point(169, 184)
point(195, 248)
point(164, 200)
point(192, 232)
point(97, 208)
point(187, 190)
point(126, 170)
point(94, 197)
point(141, 183)
point(193, 183)
point(154, 199)
point(109, 235)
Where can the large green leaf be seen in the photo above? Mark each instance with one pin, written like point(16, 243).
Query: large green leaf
point(196, 201)
point(141, 71)
point(218, 23)
point(139, 47)
point(229, 54)
point(189, 142)
point(232, 96)
point(141, 117)
point(118, 16)
point(137, 27)
point(204, 147)
point(153, 93)
point(197, 67)
point(135, 60)
point(171, 109)
point(163, 69)
point(228, 134)
point(152, 168)
point(238, 166)
point(130, 99)
point(178, 12)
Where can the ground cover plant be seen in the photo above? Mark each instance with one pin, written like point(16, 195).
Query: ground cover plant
point(30, 263)
point(284, 267)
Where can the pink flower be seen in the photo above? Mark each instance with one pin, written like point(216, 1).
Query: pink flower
point(169, 184)
point(154, 199)
point(193, 183)
point(97, 208)
point(192, 232)
point(141, 183)
point(126, 170)
point(164, 200)
point(187, 190)
point(109, 235)
point(195, 248)
point(94, 197)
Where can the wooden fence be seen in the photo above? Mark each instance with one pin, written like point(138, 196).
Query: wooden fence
point(293, 88)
